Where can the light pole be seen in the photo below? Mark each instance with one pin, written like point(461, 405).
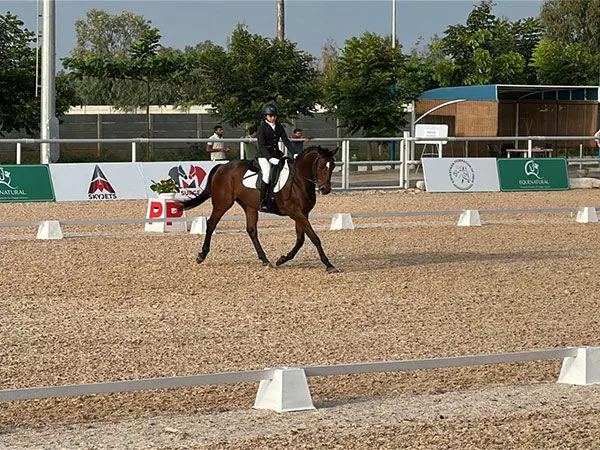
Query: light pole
point(393, 144)
point(280, 20)
point(48, 120)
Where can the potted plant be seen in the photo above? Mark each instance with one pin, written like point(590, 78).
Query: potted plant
point(166, 188)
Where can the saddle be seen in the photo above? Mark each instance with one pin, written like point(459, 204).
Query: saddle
point(253, 176)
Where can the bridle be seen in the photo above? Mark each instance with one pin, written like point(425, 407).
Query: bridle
point(314, 180)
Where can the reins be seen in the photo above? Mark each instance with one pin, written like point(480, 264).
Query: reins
point(294, 173)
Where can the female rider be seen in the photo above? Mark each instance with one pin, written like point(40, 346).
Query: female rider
point(268, 153)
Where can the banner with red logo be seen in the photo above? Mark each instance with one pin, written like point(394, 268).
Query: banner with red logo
point(97, 181)
point(190, 176)
point(126, 181)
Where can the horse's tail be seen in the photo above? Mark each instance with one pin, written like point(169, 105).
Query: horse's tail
point(204, 195)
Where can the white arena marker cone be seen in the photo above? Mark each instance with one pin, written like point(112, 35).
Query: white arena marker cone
point(583, 369)
point(469, 218)
point(286, 392)
point(342, 222)
point(198, 226)
point(49, 229)
point(587, 215)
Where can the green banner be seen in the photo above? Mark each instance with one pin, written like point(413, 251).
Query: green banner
point(524, 174)
point(24, 183)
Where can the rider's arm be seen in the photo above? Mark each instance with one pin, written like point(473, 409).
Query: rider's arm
point(288, 144)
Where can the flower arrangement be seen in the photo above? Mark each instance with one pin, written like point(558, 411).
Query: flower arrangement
point(165, 186)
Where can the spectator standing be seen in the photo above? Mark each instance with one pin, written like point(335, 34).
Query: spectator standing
point(215, 146)
point(250, 147)
point(297, 134)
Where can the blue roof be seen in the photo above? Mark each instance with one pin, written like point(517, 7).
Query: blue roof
point(495, 92)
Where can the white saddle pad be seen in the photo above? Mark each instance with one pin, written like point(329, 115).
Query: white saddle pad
point(251, 178)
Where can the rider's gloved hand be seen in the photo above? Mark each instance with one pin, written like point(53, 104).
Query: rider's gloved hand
point(274, 161)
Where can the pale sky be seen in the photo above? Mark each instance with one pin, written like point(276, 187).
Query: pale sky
point(309, 23)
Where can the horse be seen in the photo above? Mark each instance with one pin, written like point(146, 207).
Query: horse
point(296, 198)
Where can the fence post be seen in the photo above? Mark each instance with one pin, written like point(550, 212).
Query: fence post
point(407, 149)
point(18, 158)
point(529, 148)
point(347, 165)
point(133, 152)
point(402, 162)
point(242, 150)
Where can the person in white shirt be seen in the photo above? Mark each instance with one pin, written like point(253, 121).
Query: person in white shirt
point(216, 148)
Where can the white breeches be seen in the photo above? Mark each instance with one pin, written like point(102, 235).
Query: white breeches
point(265, 167)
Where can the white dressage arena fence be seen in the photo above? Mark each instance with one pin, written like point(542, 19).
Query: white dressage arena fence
point(285, 389)
point(51, 229)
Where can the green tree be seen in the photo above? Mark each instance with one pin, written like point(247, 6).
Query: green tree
point(110, 37)
point(253, 70)
point(487, 49)
point(571, 22)
point(19, 105)
point(358, 86)
point(145, 63)
point(564, 63)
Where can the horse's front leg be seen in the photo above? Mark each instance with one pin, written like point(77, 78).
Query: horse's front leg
point(297, 246)
point(307, 228)
point(252, 229)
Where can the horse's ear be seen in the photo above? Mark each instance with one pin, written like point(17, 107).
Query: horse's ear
point(334, 151)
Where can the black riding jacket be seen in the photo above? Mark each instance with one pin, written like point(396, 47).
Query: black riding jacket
point(267, 140)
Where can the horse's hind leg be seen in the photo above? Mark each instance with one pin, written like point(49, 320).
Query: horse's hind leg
point(211, 224)
point(297, 247)
point(251, 228)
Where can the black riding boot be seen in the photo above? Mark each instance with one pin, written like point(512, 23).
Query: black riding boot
point(265, 192)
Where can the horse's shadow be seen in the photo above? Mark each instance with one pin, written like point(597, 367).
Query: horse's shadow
point(420, 259)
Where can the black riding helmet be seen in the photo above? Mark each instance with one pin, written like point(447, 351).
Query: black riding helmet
point(269, 108)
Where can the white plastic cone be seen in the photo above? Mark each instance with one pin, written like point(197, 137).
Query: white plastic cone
point(198, 226)
point(587, 215)
point(286, 392)
point(469, 218)
point(49, 229)
point(342, 222)
point(583, 369)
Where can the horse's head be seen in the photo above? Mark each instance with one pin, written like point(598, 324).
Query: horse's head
point(324, 165)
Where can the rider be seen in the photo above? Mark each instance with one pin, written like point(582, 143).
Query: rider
point(268, 153)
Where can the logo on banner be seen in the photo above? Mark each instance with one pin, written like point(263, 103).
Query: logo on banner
point(189, 183)
point(531, 168)
point(462, 175)
point(6, 187)
point(100, 187)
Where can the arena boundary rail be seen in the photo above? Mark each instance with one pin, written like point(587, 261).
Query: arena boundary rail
point(285, 389)
point(312, 216)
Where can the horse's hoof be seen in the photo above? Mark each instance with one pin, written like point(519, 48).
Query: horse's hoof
point(280, 261)
point(200, 259)
point(267, 263)
point(333, 270)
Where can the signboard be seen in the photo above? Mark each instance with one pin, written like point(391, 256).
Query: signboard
point(97, 182)
point(523, 174)
point(190, 176)
point(25, 183)
point(461, 174)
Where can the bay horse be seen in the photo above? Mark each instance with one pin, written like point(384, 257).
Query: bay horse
point(295, 199)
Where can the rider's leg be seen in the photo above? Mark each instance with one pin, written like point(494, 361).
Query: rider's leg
point(265, 168)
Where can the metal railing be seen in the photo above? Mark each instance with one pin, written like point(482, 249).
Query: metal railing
point(407, 157)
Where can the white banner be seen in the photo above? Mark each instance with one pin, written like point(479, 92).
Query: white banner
point(97, 181)
point(190, 176)
point(461, 174)
point(126, 181)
